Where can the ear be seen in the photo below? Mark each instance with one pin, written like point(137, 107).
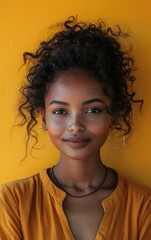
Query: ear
point(44, 127)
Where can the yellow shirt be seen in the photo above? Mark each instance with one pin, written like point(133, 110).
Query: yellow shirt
point(31, 209)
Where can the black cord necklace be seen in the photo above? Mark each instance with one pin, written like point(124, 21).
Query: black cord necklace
point(59, 185)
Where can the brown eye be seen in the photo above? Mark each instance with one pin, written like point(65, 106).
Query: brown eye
point(59, 112)
point(93, 110)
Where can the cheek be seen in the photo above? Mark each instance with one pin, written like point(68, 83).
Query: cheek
point(55, 127)
point(101, 127)
point(100, 134)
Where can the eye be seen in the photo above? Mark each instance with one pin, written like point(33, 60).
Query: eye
point(93, 110)
point(59, 111)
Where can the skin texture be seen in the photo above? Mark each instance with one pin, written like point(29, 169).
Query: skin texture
point(77, 122)
point(76, 118)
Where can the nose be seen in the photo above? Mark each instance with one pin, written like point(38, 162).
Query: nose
point(76, 125)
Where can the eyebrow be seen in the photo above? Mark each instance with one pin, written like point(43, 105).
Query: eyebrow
point(83, 103)
point(59, 102)
point(92, 100)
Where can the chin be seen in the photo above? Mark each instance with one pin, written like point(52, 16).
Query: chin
point(79, 156)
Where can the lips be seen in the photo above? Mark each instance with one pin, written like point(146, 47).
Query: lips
point(77, 142)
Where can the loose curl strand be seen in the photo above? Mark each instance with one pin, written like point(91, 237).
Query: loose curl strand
point(93, 48)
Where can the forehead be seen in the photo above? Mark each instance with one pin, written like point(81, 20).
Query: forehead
point(75, 85)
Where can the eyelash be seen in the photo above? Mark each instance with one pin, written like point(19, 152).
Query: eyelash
point(59, 112)
point(89, 110)
point(94, 110)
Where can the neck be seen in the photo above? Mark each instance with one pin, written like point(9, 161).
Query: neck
point(84, 172)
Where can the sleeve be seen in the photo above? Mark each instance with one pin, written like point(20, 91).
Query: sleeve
point(145, 217)
point(10, 226)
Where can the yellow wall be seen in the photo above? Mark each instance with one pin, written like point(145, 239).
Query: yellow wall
point(23, 23)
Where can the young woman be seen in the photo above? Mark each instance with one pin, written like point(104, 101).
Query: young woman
point(79, 85)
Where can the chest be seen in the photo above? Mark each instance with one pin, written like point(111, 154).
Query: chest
point(84, 217)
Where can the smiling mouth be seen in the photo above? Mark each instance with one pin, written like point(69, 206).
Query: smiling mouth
point(77, 142)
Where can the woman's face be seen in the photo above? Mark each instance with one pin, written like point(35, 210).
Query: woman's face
point(75, 115)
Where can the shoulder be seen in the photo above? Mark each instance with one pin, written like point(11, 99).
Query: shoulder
point(130, 194)
point(139, 202)
point(16, 189)
point(135, 190)
point(16, 200)
point(137, 198)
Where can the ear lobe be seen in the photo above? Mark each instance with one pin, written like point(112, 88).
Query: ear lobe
point(43, 120)
point(44, 126)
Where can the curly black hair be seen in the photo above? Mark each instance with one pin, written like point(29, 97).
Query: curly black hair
point(83, 46)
